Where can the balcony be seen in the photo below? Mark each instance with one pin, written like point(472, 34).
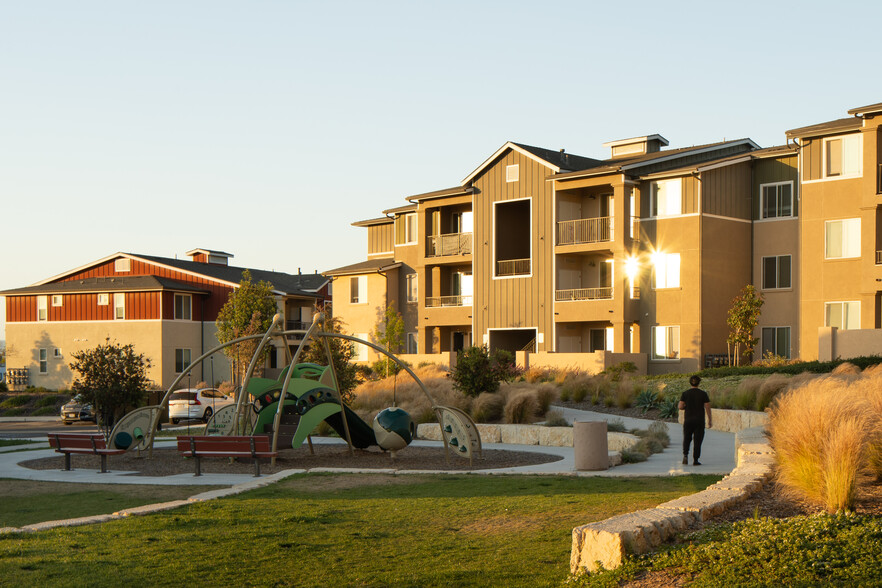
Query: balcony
point(449, 244)
point(513, 267)
point(297, 325)
point(585, 230)
point(583, 294)
point(440, 301)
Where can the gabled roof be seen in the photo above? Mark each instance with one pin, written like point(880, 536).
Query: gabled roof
point(557, 161)
point(863, 110)
point(109, 284)
point(370, 266)
point(283, 284)
point(832, 127)
point(455, 191)
point(383, 220)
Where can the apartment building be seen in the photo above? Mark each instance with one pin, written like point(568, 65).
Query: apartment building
point(165, 307)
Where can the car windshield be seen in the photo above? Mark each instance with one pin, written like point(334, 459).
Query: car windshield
point(183, 396)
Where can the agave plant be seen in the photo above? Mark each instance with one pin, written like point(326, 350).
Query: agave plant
point(647, 399)
point(668, 407)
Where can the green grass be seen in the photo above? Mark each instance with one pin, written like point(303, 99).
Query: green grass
point(26, 502)
point(818, 550)
point(345, 530)
point(10, 442)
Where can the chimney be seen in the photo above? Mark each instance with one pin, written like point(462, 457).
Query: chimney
point(209, 257)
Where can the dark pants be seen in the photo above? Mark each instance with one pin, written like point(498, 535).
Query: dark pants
point(693, 431)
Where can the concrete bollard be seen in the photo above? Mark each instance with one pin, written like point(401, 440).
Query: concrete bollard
point(590, 448)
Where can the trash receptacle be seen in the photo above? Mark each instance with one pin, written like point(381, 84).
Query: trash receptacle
point(590, 448)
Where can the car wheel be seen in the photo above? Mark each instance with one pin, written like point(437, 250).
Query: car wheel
point(68, 422)
point(174, 421)
point(206, 415)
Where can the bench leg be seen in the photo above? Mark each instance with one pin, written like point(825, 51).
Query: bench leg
point(256, 467)
point(103, 464)
point(198, 466)
point(67, 462)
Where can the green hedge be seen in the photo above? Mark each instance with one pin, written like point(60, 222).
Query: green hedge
point(815, 367)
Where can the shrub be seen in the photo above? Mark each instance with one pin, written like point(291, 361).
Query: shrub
point(45, 411)
point(535, 375)
point(647, 399)
point(555, 418)
point(745, 396)
point(575, 385)
point(521, 408)
point(545, 395)
point(770, 388)
point(12, 412)
point(488, 407)
point(16, 401)
point(385, 367)
point(616, 426)
point(50, 400)
point(625, 393)
point(3, 387)
point(668, 407)
point(633, 455)
point(564, 395)
point(478, 371)
point(616, 371)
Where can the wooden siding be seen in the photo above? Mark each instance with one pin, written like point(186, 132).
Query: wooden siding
point(811, 160)
point(693, 159)
point(84, 307)
point(168, 306)
point(516, 302)
point(772, 171)
point(380, 238)
point(725, 191)
point(691, 195)
point(21, 309)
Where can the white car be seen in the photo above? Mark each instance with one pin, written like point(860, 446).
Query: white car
point(193, 403)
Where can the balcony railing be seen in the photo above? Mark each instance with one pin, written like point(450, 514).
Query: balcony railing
point(585, 230)
point(449, 244)
point(513, 267)
point(297, 325)
point(635, 293)
point(438, 301)
point(583, 294)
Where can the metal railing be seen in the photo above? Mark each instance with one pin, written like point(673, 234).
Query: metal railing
point(531, 346)
point(583, 294)
point(438, 301)
point(449, 244)
point(513, 267)
point(585, 230)
point(635, 293)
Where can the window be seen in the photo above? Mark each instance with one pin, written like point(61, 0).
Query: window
point(843, 238)
point(842, 156)
point(513, 236)
point(272, 355)
point(119, 306)
point(667, 270)
point(123, 265)
point(406, 229)
point(411, 285)
point(183, 306)
point(776, 272)
point(103, 299)
point(58, 354)
point(776, 340)
point(842, 315)
point(361, 351)
point(42, 308)
point(358, 289)
point(57, 300)
point(777, 200)
point(44, 361)
point(182, 360)
point(512, 173)
point(665, 342)
point(412, 346)
point(667, 197)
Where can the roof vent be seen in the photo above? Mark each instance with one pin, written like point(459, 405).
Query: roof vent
point(636, 146)
point(209, 256)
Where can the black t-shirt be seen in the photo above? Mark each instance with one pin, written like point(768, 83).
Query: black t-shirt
point(695, 399)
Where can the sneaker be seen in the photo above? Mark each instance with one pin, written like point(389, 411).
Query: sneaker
point(696, 463)
point(685, 460)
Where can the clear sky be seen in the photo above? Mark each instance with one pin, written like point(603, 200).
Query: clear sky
point(264, 128)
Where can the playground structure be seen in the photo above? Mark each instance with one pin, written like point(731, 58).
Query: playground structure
point(290, 407)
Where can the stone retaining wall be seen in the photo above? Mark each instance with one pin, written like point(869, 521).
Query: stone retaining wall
point(732, 421)
point(605, 543)
point(529, 435)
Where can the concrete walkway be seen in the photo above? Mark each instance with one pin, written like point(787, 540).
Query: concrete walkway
point(718, 457)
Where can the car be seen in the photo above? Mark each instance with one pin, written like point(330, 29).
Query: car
point(76, 410)
point(196, 403)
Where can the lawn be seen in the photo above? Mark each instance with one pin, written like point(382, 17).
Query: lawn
point(343, 530)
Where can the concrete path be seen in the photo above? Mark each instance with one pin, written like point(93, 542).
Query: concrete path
point(718, 457)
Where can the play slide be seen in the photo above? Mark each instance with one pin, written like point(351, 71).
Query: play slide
point(361, 433)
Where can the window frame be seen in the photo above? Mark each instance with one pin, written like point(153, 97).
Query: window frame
point(105, 297)
point(763, 197)
point(186, 313)
point(42, 308)
point(411, 342)
point(183, 359)
point(123, 264)
point(664, 268)
point(406, 229)
point(777, 285)
point(845, 304)
point(825, 156)
point(119, 303)
point(360, 283)
point(844, 241)
point(529, 233)
point(512, 173)
point(43, 361)
point(676, 352)
point(654, 200)
point(57, 300)
point(775, 345)
point(411, 288)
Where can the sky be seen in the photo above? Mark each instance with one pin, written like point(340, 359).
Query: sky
point(265, 128)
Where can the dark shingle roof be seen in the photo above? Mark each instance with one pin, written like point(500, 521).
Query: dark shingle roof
point(826, 128)
point(294, 284)
point(561, 159)
point(363, 267)
point(114, 284)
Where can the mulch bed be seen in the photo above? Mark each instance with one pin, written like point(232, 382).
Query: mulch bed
point(168, 462)
point(632, 412)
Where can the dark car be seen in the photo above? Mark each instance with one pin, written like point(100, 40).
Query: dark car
point(75, 411)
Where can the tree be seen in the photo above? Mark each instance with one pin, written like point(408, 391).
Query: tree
point(389, 332)
point(742, 320)
point(112, 378)
point(248, 311)
point(342, 352)
point(477, 370)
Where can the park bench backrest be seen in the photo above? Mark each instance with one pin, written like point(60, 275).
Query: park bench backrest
point(88, 441)
point(235, 444)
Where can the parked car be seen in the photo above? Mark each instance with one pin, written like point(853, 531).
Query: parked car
point(193, 403)
point(76, 410)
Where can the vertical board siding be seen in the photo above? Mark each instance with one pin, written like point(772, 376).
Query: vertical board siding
point(771, 171)
point(726, 191)
point(811, 160)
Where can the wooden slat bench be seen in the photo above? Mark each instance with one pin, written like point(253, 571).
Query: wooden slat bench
point(199, 446)
point(84, 444)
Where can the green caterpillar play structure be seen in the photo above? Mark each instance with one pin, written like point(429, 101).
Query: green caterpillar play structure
point(291, 406)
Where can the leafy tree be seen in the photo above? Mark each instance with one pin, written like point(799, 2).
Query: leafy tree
point(248, 311)
point(389, 332)
point(342, 352)
point(112, 378)
point(742, 320)
point(477, 370)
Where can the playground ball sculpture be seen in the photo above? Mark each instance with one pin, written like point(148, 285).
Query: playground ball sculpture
point(393, 429)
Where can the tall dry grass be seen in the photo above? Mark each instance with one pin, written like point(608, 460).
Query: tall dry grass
point(372, 397)
point(827, 434)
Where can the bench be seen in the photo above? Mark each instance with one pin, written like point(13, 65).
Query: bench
point(199, 446)
point(84, 444)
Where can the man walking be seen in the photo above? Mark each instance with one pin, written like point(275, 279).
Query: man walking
point(695, 403)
